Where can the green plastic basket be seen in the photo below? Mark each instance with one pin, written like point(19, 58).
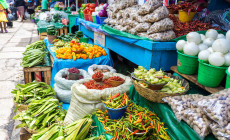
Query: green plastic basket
point(56, 8)
point(94, 19)
point(210, 76)
point(227, 85)
point(187, 64)
point(84, 39)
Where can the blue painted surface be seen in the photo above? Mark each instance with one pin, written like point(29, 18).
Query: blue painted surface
point(159, 55)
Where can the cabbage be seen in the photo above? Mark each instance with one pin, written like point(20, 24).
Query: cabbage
point(102, 13)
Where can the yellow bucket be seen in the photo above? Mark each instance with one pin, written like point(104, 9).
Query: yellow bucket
point(184, 17)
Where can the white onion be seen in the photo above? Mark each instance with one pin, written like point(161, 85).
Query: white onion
point(208, 41)
point(228, 35)
point(221, 45)
point(202, 47)
point(203, 55)
point(193, 37)
point(216, 59)
point(220, 36)
point(202, 37)
point(228, 69)
point(180, 45)
point(210, 50)
point(191, 49)
point(211, 33)
point(227, 59)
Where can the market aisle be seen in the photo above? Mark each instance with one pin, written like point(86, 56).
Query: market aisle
point(12, 45)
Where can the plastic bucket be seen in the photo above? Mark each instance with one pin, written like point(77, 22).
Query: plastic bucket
point(116, 113)
point(56, 8)
point(102, 20)
point(98, 19)
point(84, 39)
point(185, 17)
point(187, 64)
point(227, 85)
point(210, 76)
point(94, 19)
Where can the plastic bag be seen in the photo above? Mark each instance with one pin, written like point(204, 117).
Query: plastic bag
point(142, 27)
point(119, 15)
point(62, 94)
point(221, 133)
point(94, 66)
point(163, 36)
point(197, 120)
point(160, 13)
point(180, 103)
point(144, 34)
point(84, 101)
point(139, 19)
point(10, 17)
point(161, 26)
point(133, 31)
point(149, 6)
point(216, 107)
point(118, 27)
point(64, 83)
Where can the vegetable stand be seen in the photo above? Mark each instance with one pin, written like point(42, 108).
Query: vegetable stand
point(80, 63)
point(159, 55)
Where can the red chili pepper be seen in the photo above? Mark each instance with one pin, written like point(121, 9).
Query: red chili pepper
point(158, 127)
point(136, 131)
point(140, 116)
point(130, 118)
point(115, 96)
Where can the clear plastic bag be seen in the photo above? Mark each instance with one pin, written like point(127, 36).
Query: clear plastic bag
point(161, 26)
point(160, 13)
point(216, 107)
point(197, 120)
point(119, 15)
point(180, 103)
point(132, 31)
point(221, 133)
point(149, 6)
point(113, 21)
point(118, 27)
point(163, 36)
point(142, 27)
point(144, 34)
point(139, 19)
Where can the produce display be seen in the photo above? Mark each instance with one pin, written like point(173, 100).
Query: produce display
point(51, 30)
point(56, 18)
point(80, 50)
point(149, 20)
point(77, 130)
point(82, 8)
point(101, 10)
point(73, 74)
point(97, 75)
point(40, 114)
point(212, 48)
point(187, 7)
point(117, 101)
point(25, 93)
point(153, 77)
point(69, 37)
point(136, 120)
point(34, 54)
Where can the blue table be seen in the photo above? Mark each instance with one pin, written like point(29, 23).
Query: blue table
point(79, 63)
point(159, 55)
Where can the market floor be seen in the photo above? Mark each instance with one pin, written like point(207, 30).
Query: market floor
point(12, 45)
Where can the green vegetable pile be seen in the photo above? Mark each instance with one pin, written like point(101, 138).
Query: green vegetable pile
point(51, 30)
point(77, 130)
point(41, 114)
point(173, 86)
point(67, 38)
point(24, 93)
point(56, 18)
point(34, 54)
point(79, 34)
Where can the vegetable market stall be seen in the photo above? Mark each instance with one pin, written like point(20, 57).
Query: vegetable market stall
point(79, 63)
point(156, 54)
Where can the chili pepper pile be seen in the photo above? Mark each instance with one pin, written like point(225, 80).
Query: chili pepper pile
point(117, 101)
point(187, 7)
point(137, 119)
point(116, 78)
point(93, 85)
point(97, 75)
point(184, 28)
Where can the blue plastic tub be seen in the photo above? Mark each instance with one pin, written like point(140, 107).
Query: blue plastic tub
point(116, 113)
point(98, 19)
point(102, 20)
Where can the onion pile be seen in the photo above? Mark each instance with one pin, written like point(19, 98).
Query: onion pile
point(212, 48)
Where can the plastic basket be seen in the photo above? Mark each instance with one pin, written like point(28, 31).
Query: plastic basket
point(84, 39)
point(94, 19)
point(88, 17)
point(210, 76)
point(185, 17)
point(98, 19)
point(187, 64)
point(116, 113)
point(227, 85)
point(56, 8)
point(102, 20)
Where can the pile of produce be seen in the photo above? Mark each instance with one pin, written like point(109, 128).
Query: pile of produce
point(149, 20)
point(116, 78)
point(90, 8)
point(41, 114)
point(74, 74)
point(34, 54)
point(145, 78)
point(212, 48)
point(23, 94)
point(97, 75)
point(136, 120)
point(187, 7)
point(181, 29)
point(101, 10)
point(51, 30)
point(94, 85)
point(56, 18)
point(69, 37)
point(77, 130)
point(80, 50)
point(117, 101)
